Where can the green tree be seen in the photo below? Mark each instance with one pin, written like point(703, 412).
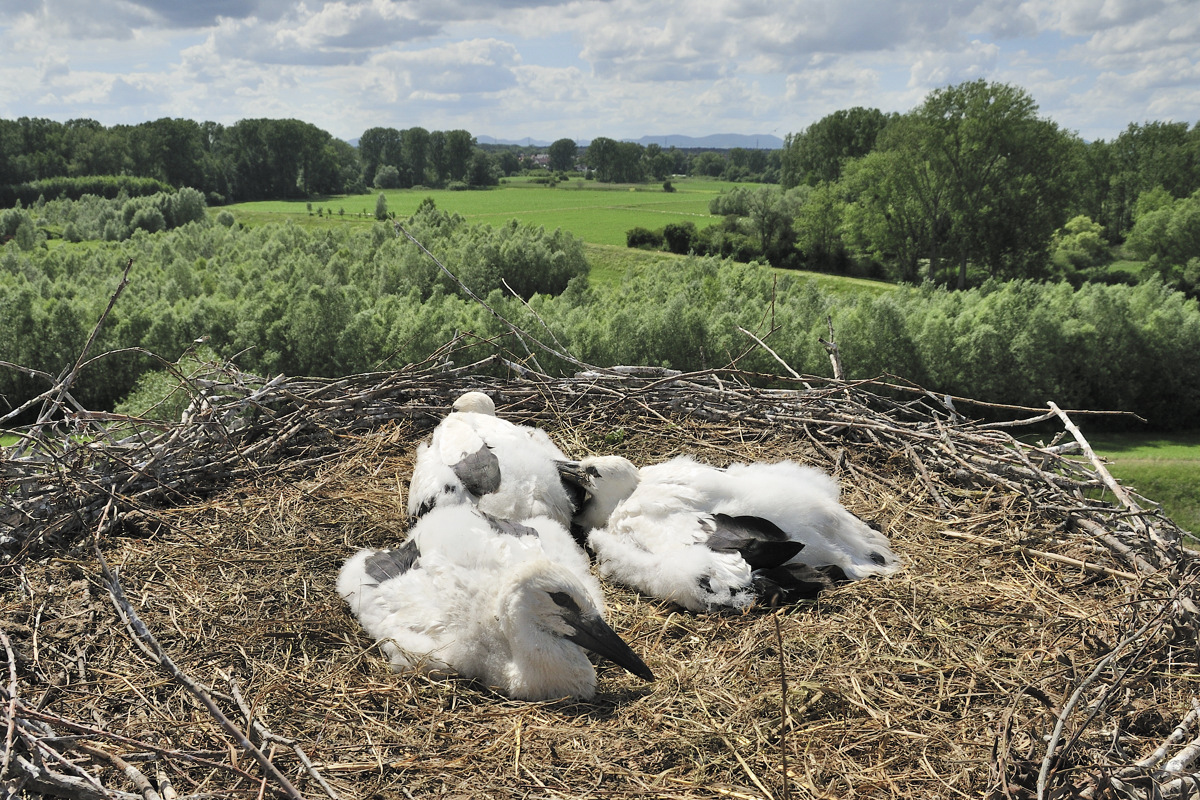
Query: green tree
point(386, 177)
point(562, 155)
point(377, 147)
point(483, 170)
point(818, 225)
point(415, 149)
point(897, 209)
point(1166, 233)
point(381, 207)
point(1152, 154)
point(509, 163)
point(460, 148)
point(1079, 244)
point(987, 175)
point(819, 152)
point(602, 157)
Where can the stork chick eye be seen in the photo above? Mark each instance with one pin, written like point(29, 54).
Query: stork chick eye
point(564, 600)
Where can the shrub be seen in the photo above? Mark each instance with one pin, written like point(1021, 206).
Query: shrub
point(148, 219)
point(679, 237)
point(387, 177)
point(644, 238)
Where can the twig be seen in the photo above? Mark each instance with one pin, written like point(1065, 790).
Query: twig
point(269, 736)
point(774, 355)
point(831, 347)
point(783, 693)
point(1117, 489)
point(63, 386)
point(1074, 562)
point(1176, 736)
point(924, 473)
point(536, 316)
point(10, 729)
point(1069, 706)
point(143, 635)
point(133, 773)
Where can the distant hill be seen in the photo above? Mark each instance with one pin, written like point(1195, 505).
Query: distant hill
point(716, 141)
point(527, 142)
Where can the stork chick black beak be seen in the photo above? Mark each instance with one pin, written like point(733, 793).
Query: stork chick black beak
point(591, 632)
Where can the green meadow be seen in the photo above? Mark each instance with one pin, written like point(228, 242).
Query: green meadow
point(596, 213)
point(1162, 467)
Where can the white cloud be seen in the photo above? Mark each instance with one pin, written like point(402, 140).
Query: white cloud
point(597, 67)
point(941, 68)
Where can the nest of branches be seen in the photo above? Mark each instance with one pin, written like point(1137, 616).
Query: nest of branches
point(171, 627)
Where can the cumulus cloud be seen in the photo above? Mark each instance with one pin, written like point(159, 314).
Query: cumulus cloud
point(934, 68)
point(473, 67)
point(599, 67)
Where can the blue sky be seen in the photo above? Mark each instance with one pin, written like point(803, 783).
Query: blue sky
point(585, 68)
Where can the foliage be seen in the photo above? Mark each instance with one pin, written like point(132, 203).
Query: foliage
point(818, 153)
point(1079, 244)
point(1166, 232)
point(562, 154)
point(679, 237)
point(319, 302)
point(73, 188)
point(386, 177)
point(644, 238)
point(972, 175)
point(340, 300)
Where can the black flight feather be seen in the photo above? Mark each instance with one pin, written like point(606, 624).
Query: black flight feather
point(761, 542)
point(789, 583)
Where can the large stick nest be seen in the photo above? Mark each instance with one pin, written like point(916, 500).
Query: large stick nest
point(171, 624)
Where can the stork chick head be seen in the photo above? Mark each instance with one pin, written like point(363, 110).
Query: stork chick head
point(608, 480)
point(475, 402)
point(550, 618)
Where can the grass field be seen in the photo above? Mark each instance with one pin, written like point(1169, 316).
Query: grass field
point(1164, 468)
point(596, 213)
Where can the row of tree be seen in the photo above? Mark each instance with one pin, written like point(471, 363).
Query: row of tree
point(630, 162)
point(974, 177)
point(969, 185)
point(257, 159)
point(252, 159)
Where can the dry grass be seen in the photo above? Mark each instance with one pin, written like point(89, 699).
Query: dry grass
point(942, 681)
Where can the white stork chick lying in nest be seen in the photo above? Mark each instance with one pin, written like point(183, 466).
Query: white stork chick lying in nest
point(711, 539)
point(512, 605)
point(509, 471)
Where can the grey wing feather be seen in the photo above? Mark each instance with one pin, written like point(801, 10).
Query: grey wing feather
point(510, 528)
point(479, 472)
point(393, 562)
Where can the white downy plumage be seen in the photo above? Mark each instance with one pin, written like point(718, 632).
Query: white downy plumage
point(709, 538)
point(509, 471)
point(512, 605)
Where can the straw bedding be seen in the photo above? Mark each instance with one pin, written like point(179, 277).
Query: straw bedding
point(171, 626)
